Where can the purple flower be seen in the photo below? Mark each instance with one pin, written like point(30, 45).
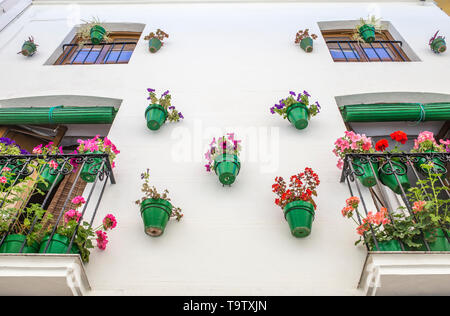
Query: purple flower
point(279, 106)
point(180, 115)
point(208, 168)
point(165, 93)
point(272, 110)
point(306, 93)
point(171, 107)
point(318, 105)
point(292, 93)
point(150, 90)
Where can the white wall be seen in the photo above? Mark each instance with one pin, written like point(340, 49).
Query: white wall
point(225, 65)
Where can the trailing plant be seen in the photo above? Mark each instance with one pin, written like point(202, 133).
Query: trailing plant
point(223, 145)
point(159, 35)
point(283, 105)
point(351, 143)
point(150, 192)
point(84, 31)
point(371, 21)
point(302, 187)
point(165, 101)
point(97, 144)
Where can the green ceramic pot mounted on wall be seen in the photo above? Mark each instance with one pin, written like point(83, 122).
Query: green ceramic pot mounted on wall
point(49, 176)
point(154, 44)
point(368, 177)
point(299, 215)
point(298, 115)
point(388, 178)
point(28, 49)
point(97, 34)
point(85, 173)
point(156, 116)
point(155, 214)
point(307, 44)
point(438, 45)
point(367, 32)
point(227, 168)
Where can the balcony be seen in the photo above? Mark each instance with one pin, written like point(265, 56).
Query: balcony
point(414, 262)
point(44, 240)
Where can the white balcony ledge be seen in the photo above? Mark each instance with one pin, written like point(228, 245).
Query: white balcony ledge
point(39, 274)
point(406, 273)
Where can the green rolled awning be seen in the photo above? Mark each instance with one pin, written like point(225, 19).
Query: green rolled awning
point(387, 112)
point(58, 115)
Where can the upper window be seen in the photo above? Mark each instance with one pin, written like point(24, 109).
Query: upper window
point(343, 48)
point(116, 51)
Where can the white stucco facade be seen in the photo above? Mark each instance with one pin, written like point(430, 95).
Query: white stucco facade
point(225, 65)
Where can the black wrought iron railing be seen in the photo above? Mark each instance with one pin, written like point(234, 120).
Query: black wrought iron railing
point(349, 50)
point(17, 169)
point(400, 168)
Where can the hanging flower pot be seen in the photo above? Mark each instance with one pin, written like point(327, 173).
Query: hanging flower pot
point(156, 208)
point(29, 47)
point(156, 116)
point(296, 109)
point(97, 33)
point(227, 168)
point(299, 215)
point(365, 30)
point(368, 178)
point(391, 245)
point(367, 33)
point(13, 244)
point(296, 201)
point(155, 41)
point(58, 244)
point(437, 44)
point(160, 110)
point(50, 175)
point(425, 143)
point(438, 166)
point(89, 171)
point(222, 157)
point(305, 40)
point(440, 242)
point(11, 172)
point(389, 179)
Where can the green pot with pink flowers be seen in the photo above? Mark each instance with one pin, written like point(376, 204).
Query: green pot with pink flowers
point(160, 110)
point(426, 144)
point(92, 165)
point(51, 172)
point(297, 109)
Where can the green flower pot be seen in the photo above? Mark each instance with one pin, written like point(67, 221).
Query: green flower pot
point(307, 44)
point(13, 244)
point(299, 215)
point(13, 174)
point(438, 45)
point(97, 34)
point(156, 116)
point(440, 244)
point(58, 244)
point(28, 49)
point(369, 178)
point(391, 181)
point(85, 175)
point(391, 245)
point(227, 168)
point(155, 213)
point(438, 165)
point(298, 115)
point(367, 32)
point(154, 44)
point(49, 178)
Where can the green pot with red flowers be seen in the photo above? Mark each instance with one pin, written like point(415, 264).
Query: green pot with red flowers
point(223, 158)
point(426, 144)
point(365, 168)
point(155, 41)
point(366, 29)
point(92, 165)
point(160, 110)
point(305, 40)
point(296, 201)
point(437, 44)
point(156, 209)
point(297, 109)
point(29, 47)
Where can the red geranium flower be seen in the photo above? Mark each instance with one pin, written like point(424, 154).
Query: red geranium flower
point(381, 145)
point(400, 137)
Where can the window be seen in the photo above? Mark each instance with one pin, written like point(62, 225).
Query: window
point(344, 49)
point(117, 51)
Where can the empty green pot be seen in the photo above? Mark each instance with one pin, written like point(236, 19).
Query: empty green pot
point(156, 116)
point(13, 244)
point(155, 213)
point(298, 115)
point(299, 215)
point(307, 44)
point(390, 180)
point(58, 244)
point(438, 45)
point(367, 32)
point(49, 178)
point(227, 168)
point(369, 178)
point(97, 34)
point(154, 44)
point(94, 166)
point(391, 245)
point(28, 49)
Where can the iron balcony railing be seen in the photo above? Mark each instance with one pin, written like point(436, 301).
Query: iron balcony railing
point(355, 166)
point(21, 166)
point(385, 45)
point(106, 56)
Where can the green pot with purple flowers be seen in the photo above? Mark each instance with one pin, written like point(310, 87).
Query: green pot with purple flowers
point(297, 109)
point(437, 44)
point(222, 158)
point(160, 110)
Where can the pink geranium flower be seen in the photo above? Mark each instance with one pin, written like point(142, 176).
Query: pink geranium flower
point(102, 239)
point(109, 222)
point(72, 214)
point(3, 180)
point(78, 200)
